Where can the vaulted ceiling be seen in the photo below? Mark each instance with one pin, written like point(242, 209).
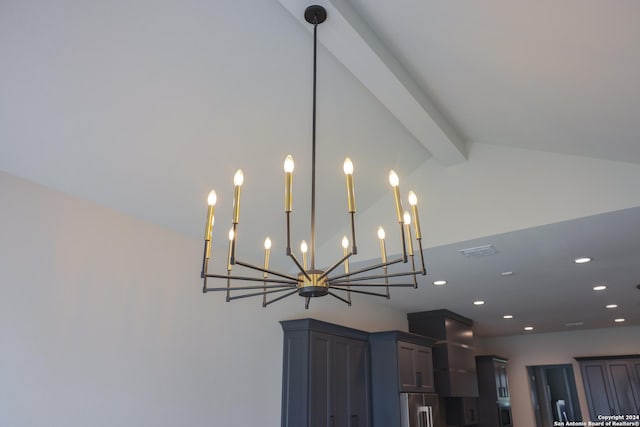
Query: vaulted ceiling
point(516, 123)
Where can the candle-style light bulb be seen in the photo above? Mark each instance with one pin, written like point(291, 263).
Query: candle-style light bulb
point(348, 166)
point(393, 178)
point(267, 251)
point(345, 251)
point(345, 242)
point(395, 184)
point(288, 164)
point(407, 218)
point(288, 183)
point(238, 179)
point(348, 172)
point(407, 232)
point(211, 201)
point(304, 248)
point(413, 201)
point(383, 249)
point(231, 236)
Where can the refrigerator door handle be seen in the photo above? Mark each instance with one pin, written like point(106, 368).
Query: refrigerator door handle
point(426, 420)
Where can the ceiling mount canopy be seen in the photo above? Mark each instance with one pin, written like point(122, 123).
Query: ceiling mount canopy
point(310, 281)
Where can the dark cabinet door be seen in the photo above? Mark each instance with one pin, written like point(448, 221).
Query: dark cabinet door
point(358, 414)
point(623, 387)
point(415, 368)
point(596, 385)
point(502, 386)
point(320, 380)
point(612, 385)
point(339, 381)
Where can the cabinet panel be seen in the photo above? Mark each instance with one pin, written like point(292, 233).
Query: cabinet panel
point(621, 387)
point(319, 380)
point(415, 365)
point(359, 410)
point(597, 390)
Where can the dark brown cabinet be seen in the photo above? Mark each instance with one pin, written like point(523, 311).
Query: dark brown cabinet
point(493, 387)
point(611, 384)
point(326, 372)
point(454, 365)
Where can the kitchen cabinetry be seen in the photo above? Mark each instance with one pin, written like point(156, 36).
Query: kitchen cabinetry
point(400, 363)
point(611, 384)
point(493, 387)
point(326, 372)
point(454, 362)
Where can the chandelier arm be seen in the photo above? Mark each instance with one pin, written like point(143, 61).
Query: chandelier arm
point(249, 288)
point(232, 250)
point(266, 303)
point(346, 301)
point(336, 265)
point(424, 269)
point(376, 276)
point(359, 292)
point(301, 268)
point(263, 270)
point(251, 279)
point(415, 276)
point(288, 233)
point(374, 285)
point(204, 260)
point(386, 281)
point(256, 294)
point(404, 244)
point(313, 147)
point(364, 270)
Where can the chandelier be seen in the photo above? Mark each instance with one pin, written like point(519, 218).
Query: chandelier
point(310, 281)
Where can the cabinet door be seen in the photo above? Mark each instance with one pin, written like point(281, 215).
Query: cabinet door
point(415, 367)
point(359, 395)
point(599, 399)
point(623, 392)
point(502, 386)
point(320, 355)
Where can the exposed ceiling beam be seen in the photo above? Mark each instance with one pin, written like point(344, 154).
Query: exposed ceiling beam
point(354, 44)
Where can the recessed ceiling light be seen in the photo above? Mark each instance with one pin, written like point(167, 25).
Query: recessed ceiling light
point(528, 328)
point(619, 320)
point(582, 260)
point(599, 288)
point(612, 306)
point(440, 282)
point(506, 273)
point(508, 316)
point(479, 302)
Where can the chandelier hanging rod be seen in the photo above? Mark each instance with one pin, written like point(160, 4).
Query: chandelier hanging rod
point(312, 282)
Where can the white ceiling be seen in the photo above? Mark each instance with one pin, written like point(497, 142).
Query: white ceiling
point(142, 106)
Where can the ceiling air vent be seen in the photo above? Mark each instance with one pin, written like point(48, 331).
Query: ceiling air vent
point(479, 251)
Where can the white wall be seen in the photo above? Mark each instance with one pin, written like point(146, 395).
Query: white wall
point(552, 349)
point(103, 323)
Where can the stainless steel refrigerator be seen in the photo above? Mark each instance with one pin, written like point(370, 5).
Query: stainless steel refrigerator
point(419, 410)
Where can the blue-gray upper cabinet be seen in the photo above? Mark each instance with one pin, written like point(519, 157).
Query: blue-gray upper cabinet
point(326, 379)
